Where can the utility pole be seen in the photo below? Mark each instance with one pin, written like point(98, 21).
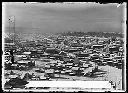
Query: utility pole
point(9, 26)
point(12, 21)
point(12, 25)
point(14, 29)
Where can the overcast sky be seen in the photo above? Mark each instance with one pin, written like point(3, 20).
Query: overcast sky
point(65, 17)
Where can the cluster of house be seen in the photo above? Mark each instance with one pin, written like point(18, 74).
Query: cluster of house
point(64, 55)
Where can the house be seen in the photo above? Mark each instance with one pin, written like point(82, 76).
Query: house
point(52, 51)
point(113, 49)
point(97, 46)
point(71, 50)
point(23, 62)
point(83, 56)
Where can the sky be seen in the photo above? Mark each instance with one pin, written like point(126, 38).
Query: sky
point(61, 17)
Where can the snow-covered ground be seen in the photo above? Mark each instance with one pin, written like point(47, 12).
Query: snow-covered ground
point(112, 74)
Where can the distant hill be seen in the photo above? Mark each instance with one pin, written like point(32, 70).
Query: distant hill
point(36, 33)
point(99, 34)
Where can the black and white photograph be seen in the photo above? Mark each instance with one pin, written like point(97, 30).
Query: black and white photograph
point(69, 46)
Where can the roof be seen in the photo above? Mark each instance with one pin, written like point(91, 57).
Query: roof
point(98, 45)
point(49, 71)
point(27, 53)
point(20, 55)
point(23, 61)
point(13, 76)
point(75, 68)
